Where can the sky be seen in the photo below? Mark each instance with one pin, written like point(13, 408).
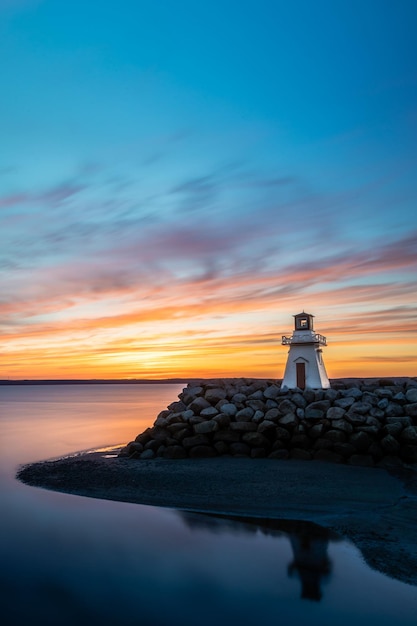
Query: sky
point(179, 178)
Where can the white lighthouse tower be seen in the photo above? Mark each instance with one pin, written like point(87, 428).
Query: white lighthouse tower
point(305, 367)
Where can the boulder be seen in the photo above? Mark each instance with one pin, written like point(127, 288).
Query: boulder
point(392, 428)
point(331, 394)
point(309, 395)
point(320, 405)
point(342, 425)
point(266, 425)
point(221, 448)
point(147, 454)
point(171, 429)
point(357, 419)
point(411, 409)
point(256, 405)
point(377, 413)
point(411, 395)
point(394, 410)
point(335, 413)
point(206, 427)
point(243, 427)
point(370, 398)
point(198, 404)
point(258, 453)
point(313, 413)
point(244, 415)
point(390, 445)
point(202, 452)
point(279, 454)
point(190, 393)
point(353, 392)
point(286, 406)
point(195, 440)
point(409, 435)
point(177, 407)
point(215, 395)
point(222, 419)
point(187, 415)
point(240, 449)
point(300, 454)
point(299, 400)
point(229, 409)
point(210, 411)
point(336, 436)
point(256, 440)
point(239, 398)
point(288, 420)
point(228, 436)
point(271, 404)
point(360, 407)
point(258, 417)
point(344, 403)
point(257, 395)
point(323, 444)
point(344, 449)
point(300, 441)
point(316, 430)
point(272, 392)
point(174, 452)
point(282, 434)
point(360, 441)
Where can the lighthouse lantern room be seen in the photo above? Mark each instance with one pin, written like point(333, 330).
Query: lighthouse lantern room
point(305, 367)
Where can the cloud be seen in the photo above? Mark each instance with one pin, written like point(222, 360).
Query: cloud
point(14, 200)
point(376, 358)
point(88, 259)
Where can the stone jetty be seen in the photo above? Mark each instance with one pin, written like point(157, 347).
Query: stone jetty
point(365, 422)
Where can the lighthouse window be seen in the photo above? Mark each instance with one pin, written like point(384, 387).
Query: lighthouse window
point(303, 323)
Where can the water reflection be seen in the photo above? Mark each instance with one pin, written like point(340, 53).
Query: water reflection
point(309, 543)
point(311, 563)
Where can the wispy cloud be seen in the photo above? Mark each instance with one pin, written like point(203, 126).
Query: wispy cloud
point(84, 259)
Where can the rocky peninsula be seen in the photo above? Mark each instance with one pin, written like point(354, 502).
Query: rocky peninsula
point(371, 422)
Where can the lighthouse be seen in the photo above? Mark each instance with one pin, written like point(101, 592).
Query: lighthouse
point(305, 367)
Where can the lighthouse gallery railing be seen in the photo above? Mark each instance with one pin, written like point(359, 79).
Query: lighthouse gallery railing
point(287, 341)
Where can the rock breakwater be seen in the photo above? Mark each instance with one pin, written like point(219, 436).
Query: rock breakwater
point(366, 422)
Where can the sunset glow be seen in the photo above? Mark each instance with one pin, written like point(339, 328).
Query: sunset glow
point(177, 181)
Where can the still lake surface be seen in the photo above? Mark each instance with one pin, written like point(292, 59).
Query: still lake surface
point(73, 560)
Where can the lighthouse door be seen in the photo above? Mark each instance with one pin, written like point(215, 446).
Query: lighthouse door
point(301, 375)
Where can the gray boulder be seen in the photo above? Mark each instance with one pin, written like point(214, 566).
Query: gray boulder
point(206, 427)
point(198, 404)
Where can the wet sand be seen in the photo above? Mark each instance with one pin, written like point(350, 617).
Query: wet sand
point(374, 508)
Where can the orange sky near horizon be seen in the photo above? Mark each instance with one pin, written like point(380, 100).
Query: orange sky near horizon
point(211, 335)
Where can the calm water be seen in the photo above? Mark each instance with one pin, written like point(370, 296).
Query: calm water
point(72, 560)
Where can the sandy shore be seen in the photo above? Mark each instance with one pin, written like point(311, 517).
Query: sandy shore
point(375, 509)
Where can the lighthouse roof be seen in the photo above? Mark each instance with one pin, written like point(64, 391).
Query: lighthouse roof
point(303, 313)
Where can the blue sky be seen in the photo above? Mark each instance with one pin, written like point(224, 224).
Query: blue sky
point(207, 152)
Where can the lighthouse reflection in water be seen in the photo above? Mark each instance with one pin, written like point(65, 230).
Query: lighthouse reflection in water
point(311, 561)
point(309, 543)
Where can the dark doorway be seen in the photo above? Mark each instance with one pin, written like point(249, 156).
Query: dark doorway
point(301, 375)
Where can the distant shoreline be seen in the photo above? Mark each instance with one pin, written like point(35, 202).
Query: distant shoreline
point(176, 381)
point(100, 381)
